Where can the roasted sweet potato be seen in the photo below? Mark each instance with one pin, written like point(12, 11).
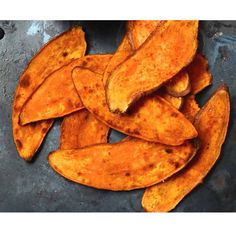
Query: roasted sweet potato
point(137, 33)
point(211, 123)
point(199, 75)
point(174, 101)
point(58, 52)
point(57, 95)
point(169, 49)
point(190, 107)
point(153, 119)
point(126, 165)
point(81, 129)
point(139, 30)
point(122, 53)
point(179, 85)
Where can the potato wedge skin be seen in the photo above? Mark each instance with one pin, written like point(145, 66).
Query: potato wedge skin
point(175, 44)
point(126, 165)
point(57, 96)
point(211, 123)
point(56, 53)
point(153, 119)
point(179, 85)
point(190, 107)
point(81, 129)
point(199, 75)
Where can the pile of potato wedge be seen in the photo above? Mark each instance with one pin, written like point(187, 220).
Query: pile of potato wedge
point(145, 90)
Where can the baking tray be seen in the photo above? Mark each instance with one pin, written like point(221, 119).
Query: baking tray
point(35, 186)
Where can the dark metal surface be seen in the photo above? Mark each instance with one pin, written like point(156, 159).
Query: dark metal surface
point(36, 187)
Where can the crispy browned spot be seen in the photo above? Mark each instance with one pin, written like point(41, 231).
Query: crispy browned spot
point(168, 150)
point(44, 130)
point(84, 63)
point(151, 165)
point(173, 163)
point(19, 144)
point(18, 96)
point(25, 81)
point(65, 54)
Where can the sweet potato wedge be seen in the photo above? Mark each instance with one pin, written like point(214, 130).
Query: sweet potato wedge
point(126, 165)
point(139, 30)
point(199, 75)
point(174, 101)
point(211, 123)
point(137, 33)
point(81, 129)
point(153, 119)
point(169, 49)
point(58, 52)
point(179, 85)
point(190, 107)
point(122, 53)
point(57, 95)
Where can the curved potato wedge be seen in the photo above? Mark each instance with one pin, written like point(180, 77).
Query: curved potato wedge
point(163, 55)
point(153, 119)
point(199, 75)
point(139, 30)
point(137, 33)
point(122, 53)
point(179, 85)
point(126, 165)
point(57, 95)
point(211, 123)
point(190, 107)
point(81, 129)
point(176, 102)
point(56, 53)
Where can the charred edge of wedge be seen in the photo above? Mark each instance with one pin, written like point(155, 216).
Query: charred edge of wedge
point(179, 94)
point(129, 26)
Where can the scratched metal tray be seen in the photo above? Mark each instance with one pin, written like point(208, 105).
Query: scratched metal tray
point(36, 187)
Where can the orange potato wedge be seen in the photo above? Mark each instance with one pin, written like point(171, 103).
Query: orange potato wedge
point(190, 107)
point(122, 53)
point(179, 85)
point(81, 129)
point(211, 123)
point(126, 165)
point(139, 30)
point(153, 119)
point(57, 95)
point(137, 33)
point(199, 75)
point(56, 53)
point(174, 101)
point(169, 49)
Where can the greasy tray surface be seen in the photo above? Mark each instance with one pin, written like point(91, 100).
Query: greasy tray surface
point(36, 187)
